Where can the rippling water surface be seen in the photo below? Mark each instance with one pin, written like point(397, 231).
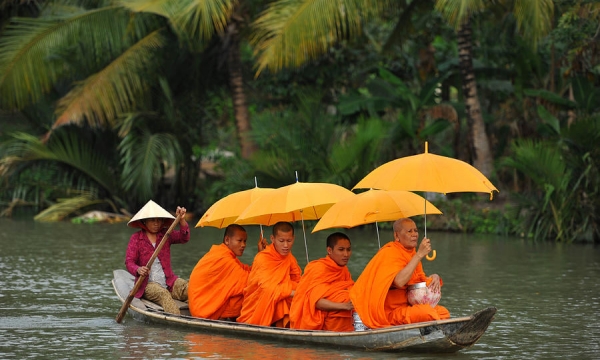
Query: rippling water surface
point(56, 300)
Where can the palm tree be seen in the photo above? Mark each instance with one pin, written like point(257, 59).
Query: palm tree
point(111, 56)
point(534, 20)
point(113, 71)
point(292, 32)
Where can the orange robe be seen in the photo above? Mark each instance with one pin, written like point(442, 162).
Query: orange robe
point(267, 296)
point(216, 285)
point(379, 303)
point(322, 278)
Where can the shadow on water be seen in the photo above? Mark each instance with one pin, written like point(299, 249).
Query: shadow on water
point(56, 300)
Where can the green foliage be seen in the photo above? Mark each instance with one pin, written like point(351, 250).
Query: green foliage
point(562, 201)
point(289, 33)
point(31, 62)
point(152, 74)
point(388, 96)
point(305, 140)
point(194, 22)
point(533, 17)
point(144, 156)
point(468, 215)
point(319, 147)
point(72, 164)
point(64, 207)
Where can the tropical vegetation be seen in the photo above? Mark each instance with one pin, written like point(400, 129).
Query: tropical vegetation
point(105, 104)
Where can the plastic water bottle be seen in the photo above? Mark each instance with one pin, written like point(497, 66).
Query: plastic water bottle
point(358, 324)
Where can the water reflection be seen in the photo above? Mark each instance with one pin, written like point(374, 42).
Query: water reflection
point(56, 300)
point(216, 346)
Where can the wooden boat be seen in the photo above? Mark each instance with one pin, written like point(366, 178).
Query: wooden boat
point(449, 335)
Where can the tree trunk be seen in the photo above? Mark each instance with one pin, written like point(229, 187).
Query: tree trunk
point(236, 82)
point(571, 113)
point(479, 144)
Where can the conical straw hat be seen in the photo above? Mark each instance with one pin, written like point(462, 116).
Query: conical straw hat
point(149, 211)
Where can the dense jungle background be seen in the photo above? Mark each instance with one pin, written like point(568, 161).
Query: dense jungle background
point(105, 104)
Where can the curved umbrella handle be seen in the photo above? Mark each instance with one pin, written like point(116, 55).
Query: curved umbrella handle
point(432, 257)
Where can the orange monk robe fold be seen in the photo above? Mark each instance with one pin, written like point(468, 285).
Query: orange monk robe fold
point(322, 278)
point(378, 303)
point(270, 284)
point(216, 285)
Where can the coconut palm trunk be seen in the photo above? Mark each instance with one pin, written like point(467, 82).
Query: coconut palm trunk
point(236, 82)
point(479, 144)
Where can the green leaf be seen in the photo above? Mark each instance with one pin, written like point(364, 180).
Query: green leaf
point(30, 63)
point(144, 156)
point(550, 119)
point(550, 96)
point(291, 32)
point(434, 128)
point(65, 207)
point(114, 90)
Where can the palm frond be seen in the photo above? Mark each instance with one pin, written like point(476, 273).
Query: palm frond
point(64, 147)
point(30, 64)
point(191, 19)
point(457, 11)
point(539, 161)
point(144, 158)
point(102, 97)
point(65, 207)
point(353, 158)
point(534, 18)
point(201, 19)
point(164, 8)
point(291, 32)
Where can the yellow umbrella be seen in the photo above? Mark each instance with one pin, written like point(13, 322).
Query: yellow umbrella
point(374, 206)
point(427, 172)
point(224, 212)
point(299, 201)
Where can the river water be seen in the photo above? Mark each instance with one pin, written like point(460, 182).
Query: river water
point(57, 302)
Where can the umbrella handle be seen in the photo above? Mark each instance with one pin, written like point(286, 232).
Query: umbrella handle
point(432, 257)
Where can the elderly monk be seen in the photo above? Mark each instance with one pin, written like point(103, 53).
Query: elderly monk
point(322, 300)
point(272, 282)
point(217, 282)
point(379, 295)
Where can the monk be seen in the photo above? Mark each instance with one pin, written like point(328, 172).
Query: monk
point(272, 281)
point(379, 295)
point(216, 285)
point(322, 300)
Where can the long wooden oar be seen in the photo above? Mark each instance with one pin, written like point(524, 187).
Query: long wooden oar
point(140, 280)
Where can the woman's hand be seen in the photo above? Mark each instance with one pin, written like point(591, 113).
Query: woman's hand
point(143, 271)
point(181, 211)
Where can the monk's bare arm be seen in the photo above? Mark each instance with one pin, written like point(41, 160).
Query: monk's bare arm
point(328, 305)
point(404, 275)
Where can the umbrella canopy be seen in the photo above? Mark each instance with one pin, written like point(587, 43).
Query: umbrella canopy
point(427, 172)
point(150, 211)
point(224, 212)
point(374, 206)
point(299, 201)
